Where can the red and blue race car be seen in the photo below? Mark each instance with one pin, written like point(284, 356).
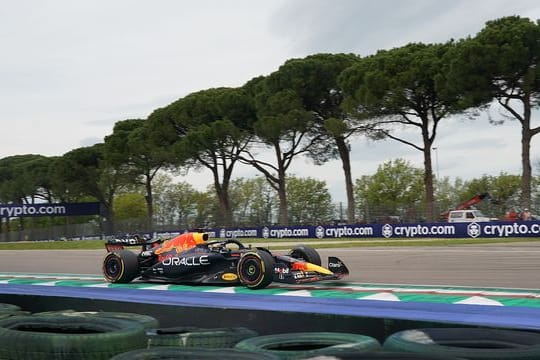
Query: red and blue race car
point(191, 259)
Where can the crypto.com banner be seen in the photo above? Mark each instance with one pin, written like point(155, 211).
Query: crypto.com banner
point(61, 209)
point(493, 229)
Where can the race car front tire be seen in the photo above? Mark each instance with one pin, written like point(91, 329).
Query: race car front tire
point(256, 269)
point(306, 253)
point(120, 266)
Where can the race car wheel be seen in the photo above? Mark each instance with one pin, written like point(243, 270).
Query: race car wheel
point(256, 269)
point(67, 337)
point(306, 253)
point(120, 266)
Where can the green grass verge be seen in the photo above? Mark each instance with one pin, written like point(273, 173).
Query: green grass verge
point(276, 243)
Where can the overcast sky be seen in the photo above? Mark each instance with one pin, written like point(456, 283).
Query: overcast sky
point(70, 69)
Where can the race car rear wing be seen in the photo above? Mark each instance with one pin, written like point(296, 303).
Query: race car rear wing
point(118, 244)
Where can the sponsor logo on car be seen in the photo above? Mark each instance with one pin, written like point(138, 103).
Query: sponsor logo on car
point(187, 261)
point(281, 270)
point(229, 277)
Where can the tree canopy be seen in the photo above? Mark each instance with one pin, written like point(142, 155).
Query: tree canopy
point(404, 88)
point(501, 63)
point(309, 107)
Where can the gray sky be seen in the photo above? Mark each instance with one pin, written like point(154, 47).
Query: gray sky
point(70, 69)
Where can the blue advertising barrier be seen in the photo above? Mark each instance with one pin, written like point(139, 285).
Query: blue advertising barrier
point(491, 229)
point(477, 315)
point(59, 209)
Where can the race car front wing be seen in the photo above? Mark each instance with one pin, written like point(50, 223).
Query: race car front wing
point(300, 272)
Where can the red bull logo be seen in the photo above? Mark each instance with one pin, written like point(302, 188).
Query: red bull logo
point(181, 243)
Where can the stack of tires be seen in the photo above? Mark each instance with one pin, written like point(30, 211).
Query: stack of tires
point(71, 335)
point(8, 310)
point(121, 336)
point(467, 343)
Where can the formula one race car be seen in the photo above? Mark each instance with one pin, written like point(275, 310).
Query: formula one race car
point(191, 259)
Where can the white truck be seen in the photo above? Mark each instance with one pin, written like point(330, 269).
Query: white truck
point(467, 216)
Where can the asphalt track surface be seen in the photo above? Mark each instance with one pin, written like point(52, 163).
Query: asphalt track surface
point(503, 266)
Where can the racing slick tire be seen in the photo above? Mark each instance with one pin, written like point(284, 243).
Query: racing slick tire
point(148, 322)
point(469, 343)
point(120, 266)
point(306, 253)
point(167, 353)
point(256, 269)
point(198, 337)
point(67, 337)
point(308, 344)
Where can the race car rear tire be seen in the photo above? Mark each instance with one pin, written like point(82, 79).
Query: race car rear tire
point(167, 353)
point(308, 344)
point(256, 269)
point(67, 337)
point(120, 266)
point(306, 253)
point(186, 336)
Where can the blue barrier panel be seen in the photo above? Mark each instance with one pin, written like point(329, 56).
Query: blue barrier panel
point(490, 229)
point(60, 209)
point(525, 318)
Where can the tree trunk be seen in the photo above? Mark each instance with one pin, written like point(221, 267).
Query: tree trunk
point(428, 175)
point(149, 204)
point(224, 206)
point(526, 166)
point(108, 216)
point(344, 154)
point(222, 191)
point(283, 208)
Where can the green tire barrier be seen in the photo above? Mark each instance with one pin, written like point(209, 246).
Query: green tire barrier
point(8, 308)
point(198, 337)
point(148, 322)
point(469, 343)
point(378, 355)
point(306, 344)
point(6, 315)
point(67, 337)
point(168, 353)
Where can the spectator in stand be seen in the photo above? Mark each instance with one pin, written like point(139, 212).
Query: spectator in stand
point(526, 215)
